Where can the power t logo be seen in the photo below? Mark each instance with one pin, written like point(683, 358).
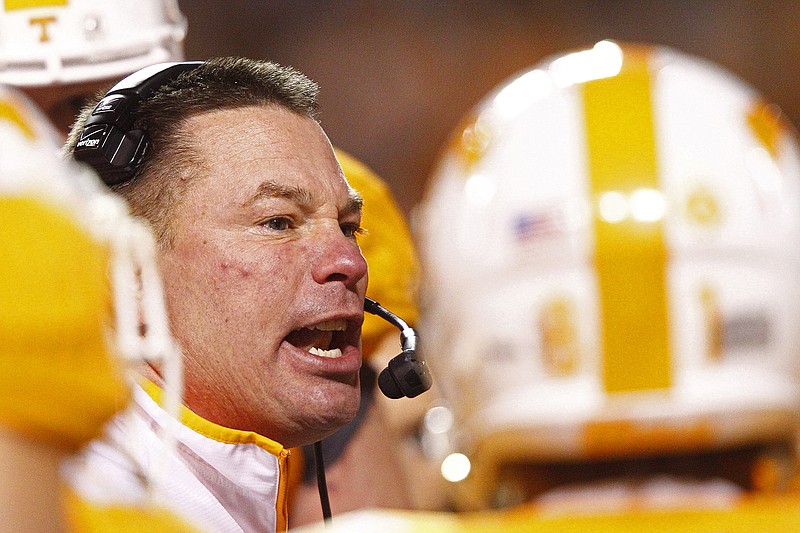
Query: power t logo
point(42, 21)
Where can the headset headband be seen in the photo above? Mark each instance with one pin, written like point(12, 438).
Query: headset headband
point(106, 142)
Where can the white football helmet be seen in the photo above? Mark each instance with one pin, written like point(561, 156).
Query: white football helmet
point(46, 42)
point(82, 295)
point(611, 250)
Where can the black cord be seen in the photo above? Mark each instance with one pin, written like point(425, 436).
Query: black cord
point(408, 337)
point(321, 484)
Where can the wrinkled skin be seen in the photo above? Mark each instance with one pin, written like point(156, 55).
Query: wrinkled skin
point(265, 245)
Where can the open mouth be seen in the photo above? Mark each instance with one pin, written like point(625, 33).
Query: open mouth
point(325, 339)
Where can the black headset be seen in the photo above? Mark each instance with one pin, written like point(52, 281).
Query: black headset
point(115, 151)
point(107, 142)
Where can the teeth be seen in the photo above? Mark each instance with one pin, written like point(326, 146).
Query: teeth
point(332, 325)
point(333, 354)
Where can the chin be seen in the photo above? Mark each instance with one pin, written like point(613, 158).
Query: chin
point(332, 416)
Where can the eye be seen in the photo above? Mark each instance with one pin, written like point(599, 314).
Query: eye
point(351, 231)
point(278, 223)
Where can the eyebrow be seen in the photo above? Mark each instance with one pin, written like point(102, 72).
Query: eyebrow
point(355, 203)
point(300, 196)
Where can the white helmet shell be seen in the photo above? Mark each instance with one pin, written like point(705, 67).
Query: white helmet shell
point(45, 42)
point(81, 285)
point(611, 249)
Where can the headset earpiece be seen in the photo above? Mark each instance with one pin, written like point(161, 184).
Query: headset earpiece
point(106, 142)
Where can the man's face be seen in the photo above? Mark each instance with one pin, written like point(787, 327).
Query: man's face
point(265, 267)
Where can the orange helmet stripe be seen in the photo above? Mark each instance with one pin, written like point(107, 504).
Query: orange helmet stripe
point(11, 5)
point(630, 254)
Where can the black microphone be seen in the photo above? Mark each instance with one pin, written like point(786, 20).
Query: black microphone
point(406, 375)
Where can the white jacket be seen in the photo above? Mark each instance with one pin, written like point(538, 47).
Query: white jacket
point(220, 480)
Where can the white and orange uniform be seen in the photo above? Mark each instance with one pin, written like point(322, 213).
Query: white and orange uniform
point(62, 375)
point(776, 515)
point(221, 479)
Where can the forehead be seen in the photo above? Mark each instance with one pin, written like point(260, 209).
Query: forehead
point(240, 149)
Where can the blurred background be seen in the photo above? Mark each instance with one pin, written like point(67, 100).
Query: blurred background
point(397, 76)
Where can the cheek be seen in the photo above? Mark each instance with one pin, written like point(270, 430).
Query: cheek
point(246, 267)
point(253, 278)
point(228, 269)
point(224, 278)
point(214, 264)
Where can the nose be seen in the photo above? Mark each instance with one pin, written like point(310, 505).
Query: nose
point(339, 259)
